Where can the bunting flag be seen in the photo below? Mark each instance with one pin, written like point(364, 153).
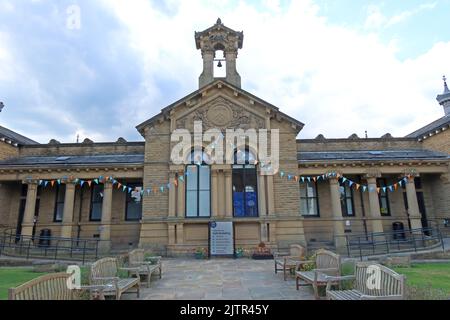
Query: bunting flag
point(176, 181)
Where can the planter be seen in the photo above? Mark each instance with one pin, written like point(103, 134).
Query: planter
point(257, 256)
point(199, 255)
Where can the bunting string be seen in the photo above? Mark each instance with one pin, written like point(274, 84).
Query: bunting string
point(155, 189)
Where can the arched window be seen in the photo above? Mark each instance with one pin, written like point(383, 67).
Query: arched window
point(245, 192)
point(198, 186)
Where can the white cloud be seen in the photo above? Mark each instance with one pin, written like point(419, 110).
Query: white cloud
point(336, 80)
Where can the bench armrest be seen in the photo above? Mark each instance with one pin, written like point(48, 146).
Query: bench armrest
point(331, 279)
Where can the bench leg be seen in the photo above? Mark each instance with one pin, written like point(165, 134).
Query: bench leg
point(284, 273)
point(297, 282)
point(160, 271)
point(149, 277)
point(138, 290)
point(276, 270)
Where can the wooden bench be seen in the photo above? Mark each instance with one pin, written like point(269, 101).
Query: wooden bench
point(327, 263)
point(104, 272)
point(48, 287)
point(289, 262)
point(138, 265)
point(371, 282)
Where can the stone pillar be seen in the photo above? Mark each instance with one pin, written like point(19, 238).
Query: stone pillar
point(69, 201)
point(413, 205)
point(105, 229)
point(207, 75)
point(30, 209)
point(228, 193)
point(264, 233)
point(262, 195)
point(180, 233)
point(270, 196)
point(374, 204)
point(214, 194)
point(181, 196)
point(232, 75)
point(171, 234)
point(172, 196)
point(337, 213)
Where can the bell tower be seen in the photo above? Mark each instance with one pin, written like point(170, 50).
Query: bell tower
point(219, 38)
point(444, 98)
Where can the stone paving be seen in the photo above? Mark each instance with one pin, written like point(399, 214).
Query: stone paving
point(222, 279)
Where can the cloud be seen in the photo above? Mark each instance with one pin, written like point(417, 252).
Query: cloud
point(131, 59)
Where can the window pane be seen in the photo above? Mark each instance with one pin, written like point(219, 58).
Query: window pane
point(384, 206)
point(304, 206)
point(204, 204)
point(251, 204)
point(96, 213)
point(238, 203)
point(350, 207)
point(61, 193)
point(312, 204)
point(302, 190)
point(98, 193)
point(191, 178)
point(311, 189)
point(134, 210)
point(204, 178)
point(191, 203)
point(59, 212)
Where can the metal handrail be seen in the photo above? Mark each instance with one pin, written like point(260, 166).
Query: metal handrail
point(73, 247)
point(389, 242)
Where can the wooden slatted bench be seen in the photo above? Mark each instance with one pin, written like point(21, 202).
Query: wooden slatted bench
point(48, 287)
point(137, 264)
point(371, 282)
point(326, 263)
point(287, 263)
point(104, 272)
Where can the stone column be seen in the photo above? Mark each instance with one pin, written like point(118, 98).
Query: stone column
point(270, 196)
point(214, 194)
point(264, 232)
point(105, 228)
point(262, 195)
point(374, 204)
point(337, 213)
point(172, 196)
point(180, 233)
point(413, 205)
point(207, 75)
point(171, 233)
point(181, 196)
point(30, 209)
point(228, 194)
point(69, 201)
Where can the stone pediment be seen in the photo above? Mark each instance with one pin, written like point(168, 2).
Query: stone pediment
point(221, 113)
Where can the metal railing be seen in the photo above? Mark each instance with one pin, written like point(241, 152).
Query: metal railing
point(48, 247)
point(397, 241)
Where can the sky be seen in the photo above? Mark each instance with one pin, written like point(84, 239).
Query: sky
point(96, 69)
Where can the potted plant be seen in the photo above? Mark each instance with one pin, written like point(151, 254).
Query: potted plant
point(262, 252)
point(239, 252)
point(201, 253)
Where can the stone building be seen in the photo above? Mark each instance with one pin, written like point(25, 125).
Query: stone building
point(132, 194)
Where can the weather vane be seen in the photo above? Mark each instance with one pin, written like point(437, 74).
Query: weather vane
point(1, 106)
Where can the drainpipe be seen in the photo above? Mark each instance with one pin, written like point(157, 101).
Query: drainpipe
point(363, 209)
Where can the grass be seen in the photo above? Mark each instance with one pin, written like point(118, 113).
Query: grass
point(13, 277)
point(434, 275)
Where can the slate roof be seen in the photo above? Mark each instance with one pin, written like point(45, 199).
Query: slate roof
point(14, 137)
point(370, 155)
point(431, 128)
point(74, 160)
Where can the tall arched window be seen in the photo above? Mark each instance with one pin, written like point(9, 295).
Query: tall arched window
point(198, 186)
point(245, 192)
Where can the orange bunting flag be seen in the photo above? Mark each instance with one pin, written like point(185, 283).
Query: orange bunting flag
point(296, 178)
point(358, 186)
point(175, 182)
point(396, 186)
point(52, 182)
point(378, 190)
point(314, 179)
point(89, 183)
point(119, 185)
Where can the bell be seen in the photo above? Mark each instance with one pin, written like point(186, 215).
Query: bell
point(220, 64)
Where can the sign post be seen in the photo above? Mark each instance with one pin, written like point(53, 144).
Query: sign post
point(221, 239)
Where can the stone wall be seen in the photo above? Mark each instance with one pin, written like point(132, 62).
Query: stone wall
point(8, 151)
point(439, 142)
point(357, 144)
